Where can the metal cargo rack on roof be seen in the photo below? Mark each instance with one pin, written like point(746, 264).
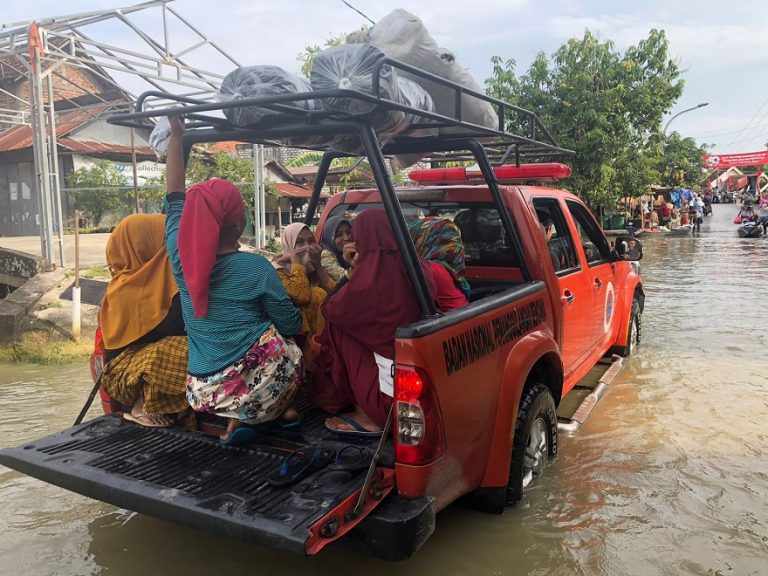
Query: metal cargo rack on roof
point(519, 133)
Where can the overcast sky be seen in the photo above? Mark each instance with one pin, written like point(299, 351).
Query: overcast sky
point(721, 46)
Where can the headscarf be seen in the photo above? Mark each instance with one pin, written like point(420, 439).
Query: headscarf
point(209, 207)
point(142, 287)
point(329, 236)
point(288, 237)
point(439, 240)
point(379, 297)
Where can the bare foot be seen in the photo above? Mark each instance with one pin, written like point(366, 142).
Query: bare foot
point(290, 415)
point(149, 420)
point(232, 425)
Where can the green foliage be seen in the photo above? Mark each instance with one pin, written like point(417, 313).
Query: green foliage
point(308, 55)
point(680, 162)
point(605, 105)
point(100, 190)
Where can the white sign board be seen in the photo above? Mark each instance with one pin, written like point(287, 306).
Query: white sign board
point(146, 170)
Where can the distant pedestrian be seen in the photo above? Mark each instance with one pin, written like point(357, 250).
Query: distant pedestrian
point(698, 205)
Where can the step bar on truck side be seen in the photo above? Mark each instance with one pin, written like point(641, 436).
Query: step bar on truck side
point(193, 479)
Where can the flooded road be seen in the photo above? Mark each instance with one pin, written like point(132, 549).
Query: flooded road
point(670, 475)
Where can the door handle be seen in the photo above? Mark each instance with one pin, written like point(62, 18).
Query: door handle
point(598, 283)
point(568, 297)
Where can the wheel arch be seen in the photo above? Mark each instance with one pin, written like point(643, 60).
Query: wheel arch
point(534, 358)
point(623, 329)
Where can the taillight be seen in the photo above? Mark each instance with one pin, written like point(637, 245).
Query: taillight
point(418, 425)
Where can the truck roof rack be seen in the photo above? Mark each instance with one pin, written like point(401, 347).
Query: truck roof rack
point(519, 132)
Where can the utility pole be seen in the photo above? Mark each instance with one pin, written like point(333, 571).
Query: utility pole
point(135, 176)
point(259, 219)
point(39, 145)
point(53, 159)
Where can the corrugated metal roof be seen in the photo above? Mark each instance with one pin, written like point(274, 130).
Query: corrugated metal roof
point(287, 190)
point(101, 149)
point(20, 137)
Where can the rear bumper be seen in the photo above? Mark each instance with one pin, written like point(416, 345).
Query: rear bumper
point(398, 528)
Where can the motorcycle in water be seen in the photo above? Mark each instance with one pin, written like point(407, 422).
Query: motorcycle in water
point(750, 229)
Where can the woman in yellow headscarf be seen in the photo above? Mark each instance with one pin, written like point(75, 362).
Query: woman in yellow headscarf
point(141, 323)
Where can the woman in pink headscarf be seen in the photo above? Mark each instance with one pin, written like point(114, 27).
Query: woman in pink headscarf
point(304, 278)
point(242, 363)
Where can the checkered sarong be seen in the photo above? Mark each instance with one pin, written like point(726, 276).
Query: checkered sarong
point(159, 369)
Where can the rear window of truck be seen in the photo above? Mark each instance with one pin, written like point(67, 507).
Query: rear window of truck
point(485, 240)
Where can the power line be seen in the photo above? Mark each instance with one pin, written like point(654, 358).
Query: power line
point(757, 113)
point(348, 5)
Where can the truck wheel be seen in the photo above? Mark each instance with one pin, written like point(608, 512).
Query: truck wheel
point(633, 331)
point(535, 442)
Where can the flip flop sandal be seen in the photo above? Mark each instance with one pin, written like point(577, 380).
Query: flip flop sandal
point(301, 464)
point(147, 420)
point(352, 459)
point(358, 429)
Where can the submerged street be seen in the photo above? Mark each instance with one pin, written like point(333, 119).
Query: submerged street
point(667, 477)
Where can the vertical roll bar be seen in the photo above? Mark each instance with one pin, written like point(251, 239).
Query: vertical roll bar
point(317, 187)
point(493, 185)
point(397, 220)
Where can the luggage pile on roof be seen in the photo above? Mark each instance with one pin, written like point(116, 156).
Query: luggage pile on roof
point(354, 65)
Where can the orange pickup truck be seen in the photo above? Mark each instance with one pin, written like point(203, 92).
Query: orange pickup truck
point(476, 390)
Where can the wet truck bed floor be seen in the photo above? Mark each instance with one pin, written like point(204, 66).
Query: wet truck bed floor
point(192, 478)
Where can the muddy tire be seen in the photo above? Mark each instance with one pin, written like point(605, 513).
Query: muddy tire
point(535, 441)
point(633, 331)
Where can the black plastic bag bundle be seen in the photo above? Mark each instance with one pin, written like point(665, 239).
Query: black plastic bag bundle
point(354, 67)
point(260, 81)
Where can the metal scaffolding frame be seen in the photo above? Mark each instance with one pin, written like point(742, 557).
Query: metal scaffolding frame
point(39, 49)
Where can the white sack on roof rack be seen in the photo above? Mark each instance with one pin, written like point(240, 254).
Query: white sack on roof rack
point(158, 139)
point(260, 81)
point(353, 67)
point(403, 36)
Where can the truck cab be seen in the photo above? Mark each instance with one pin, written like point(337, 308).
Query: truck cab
point(476, 390)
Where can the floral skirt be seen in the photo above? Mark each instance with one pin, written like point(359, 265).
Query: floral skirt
point(257, 388)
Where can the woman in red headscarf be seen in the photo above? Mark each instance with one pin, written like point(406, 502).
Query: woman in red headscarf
point(353, 369)
point(242, 364)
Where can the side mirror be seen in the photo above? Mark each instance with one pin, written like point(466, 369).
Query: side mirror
point(628, 248)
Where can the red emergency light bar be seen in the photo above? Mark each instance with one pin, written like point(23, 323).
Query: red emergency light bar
point(552, 171)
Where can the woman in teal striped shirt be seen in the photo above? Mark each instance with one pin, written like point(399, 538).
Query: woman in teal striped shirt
point(242, 363)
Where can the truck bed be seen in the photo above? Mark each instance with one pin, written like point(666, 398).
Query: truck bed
point(191, 478)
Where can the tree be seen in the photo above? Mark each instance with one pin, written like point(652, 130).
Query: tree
point(98, 190)
point(604, 105)
point(680, 163)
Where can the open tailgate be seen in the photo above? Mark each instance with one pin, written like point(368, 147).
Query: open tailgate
point(191, 478)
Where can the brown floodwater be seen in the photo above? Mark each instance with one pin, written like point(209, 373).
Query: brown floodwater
point(670, 475)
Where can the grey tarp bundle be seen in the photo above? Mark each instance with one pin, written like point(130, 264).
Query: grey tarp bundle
point(354, 67)
point(256, 81)
point(403, 36)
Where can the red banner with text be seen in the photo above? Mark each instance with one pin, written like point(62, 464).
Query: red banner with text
point(724, 161)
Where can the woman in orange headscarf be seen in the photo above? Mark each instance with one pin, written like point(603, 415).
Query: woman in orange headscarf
point(141, 323)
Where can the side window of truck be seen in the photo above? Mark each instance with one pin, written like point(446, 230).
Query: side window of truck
point(482, 232)
point(558, 239)
point(592, 239)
